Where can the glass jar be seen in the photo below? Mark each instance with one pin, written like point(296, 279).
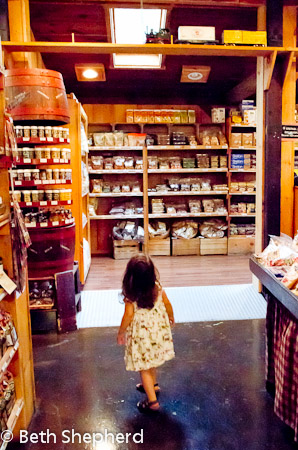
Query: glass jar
point(35, 175)
point(62, 174)
point(27, 175)
point(33, 130)
point(26, 152)
point(26, 131)
point(20, 174)
point(49, 173)
point(35, 196)
point(43, 174)
point(55, 132)
point(55, 153)
point(56, 174)
point(41, 132)
point(19, 131)
point(27, 196)
point(68, 174)
point(49, 195)
point(65, 153)
point(60, 132)
point(48, 132)
point(65, 133)
point(56, 195)
point(39, 152)
point(40, 195)
point(18, 196)
point(67, 194)
point(47, 153)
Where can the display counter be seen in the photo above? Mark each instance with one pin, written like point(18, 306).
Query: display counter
point(281, 345)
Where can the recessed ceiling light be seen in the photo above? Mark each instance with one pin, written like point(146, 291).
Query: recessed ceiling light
point(90, 74)
point(195, 74)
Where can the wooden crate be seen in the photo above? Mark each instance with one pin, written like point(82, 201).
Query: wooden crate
point(241, 245)
point(125, 249)
point(214, 246)
point(182, 247)
point(160, 247)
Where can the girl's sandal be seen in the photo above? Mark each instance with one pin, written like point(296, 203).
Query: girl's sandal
point(146, 407)
point(140, 388)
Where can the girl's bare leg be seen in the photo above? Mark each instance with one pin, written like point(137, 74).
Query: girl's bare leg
point(148, 383)
point(153, 374)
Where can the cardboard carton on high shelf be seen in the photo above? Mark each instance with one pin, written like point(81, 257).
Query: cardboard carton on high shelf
point(232, 37)
point(254, 37)
point(196, 34)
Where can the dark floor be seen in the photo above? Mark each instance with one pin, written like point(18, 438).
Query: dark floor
point(213, 392)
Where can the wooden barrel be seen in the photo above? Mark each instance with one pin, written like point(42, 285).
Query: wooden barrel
point(52, 251)
point(36, 95)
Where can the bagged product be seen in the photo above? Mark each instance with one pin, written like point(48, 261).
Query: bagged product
point(186, 229)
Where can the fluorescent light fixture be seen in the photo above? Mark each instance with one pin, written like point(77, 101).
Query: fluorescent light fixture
point(128, 26)
point(90, 74)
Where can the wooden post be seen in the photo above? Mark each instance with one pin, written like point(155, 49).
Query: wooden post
point(260, 154)
point(4, 27)
point(145, 199)
point(288, 118)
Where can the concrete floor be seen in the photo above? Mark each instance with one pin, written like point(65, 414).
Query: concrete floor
point(213, 392)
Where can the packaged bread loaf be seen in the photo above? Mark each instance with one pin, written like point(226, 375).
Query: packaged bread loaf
point(186, 229)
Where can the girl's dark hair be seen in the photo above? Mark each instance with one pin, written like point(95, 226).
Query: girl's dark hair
point(139, 281)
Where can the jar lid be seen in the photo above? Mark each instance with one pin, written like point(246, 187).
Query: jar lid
point(34, 127)
point(35, 170)
point(27, 170)
point(48, 128)
point(41, 127)
point(56, 170)
point(20, 170)
point(49, 170)
point(26, 192)
point(18, 126)
point(27, 127)
point(25, 149)
point(48, 191)
point(56, 191)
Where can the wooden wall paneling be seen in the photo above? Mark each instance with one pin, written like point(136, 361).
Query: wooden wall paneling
point(275, 23)
point(145, 199)
point(260, 154)
point(4, 25)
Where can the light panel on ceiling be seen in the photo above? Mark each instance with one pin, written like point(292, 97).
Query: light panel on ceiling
point(90, 72)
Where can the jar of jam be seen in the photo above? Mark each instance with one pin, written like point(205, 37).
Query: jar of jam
point(43, 174)
point(18, 195)
point(40, 131)
point(65, 133)
point(27, 196)
point(68, 174)
point(64, 153)
point(20, 174)
point(33, 129)
point(26, 132)
point(48, 132)
point(55, 153)
point(49, 195)
point(40, 195)
point(56, 174)
point(35, 175)
point(55, 132)
point(27, 176)
point(67, 194)
point(19, 131)
point(49, 173)
point(35, 196)
point(62, 174)
point(26, 152)
point(47, 153)
point(39, 152)
point(56, 195)
point(60, 132)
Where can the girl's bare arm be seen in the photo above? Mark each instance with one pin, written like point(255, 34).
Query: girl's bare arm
point(169, 307)
point(126, 319)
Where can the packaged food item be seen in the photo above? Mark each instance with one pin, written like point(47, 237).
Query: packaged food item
point(40, 194)
point(205, 185)
point(191, 116)
point(39, 152)
point(150, 116)
point(136, 187)
point(49, 173)
point(55, 132)
point(186, 229)
point(251, 208)
point(157, 116)
point(188, 163)
point(47, 153)
point(20, 174)
point(33, 130)
point(48, 132)
point(157, 206)
point(185, 184)
point(125, 187)
point(27, 196)
point(247, 139)
point(93, 205)
point(62, 174)
point(177, 117)
point(214, 161)
point(49, 195)
point(164, 163)
point(195, 206)
point(68, 194)
point(195, 185)
point(203, 160)
point(129, 162)
point(158, 230)
point(108, 164)
point(161, 188)
point(218, 115)
point(118, 162)
point(119, 138)
point(223, 161)
point(18, 195)
point(219, 206)
point(26, 132)
point(138, 116)
point(19, 131)
point(56, 195)
point(56, 174)
point(41, 131)
point(106, 188)
point(208, 205)
point(27, 174)
point(97, 162)
point(139, 163)
point(99, 139)
point(183, 116)
point(242, 208)
point(213, 228)
point(97, 186)
point(174, 184)
point(55, 153)
point(68, 174)
point(35, 174)
point(236, 140)
point(152, 162)
point(129, 116)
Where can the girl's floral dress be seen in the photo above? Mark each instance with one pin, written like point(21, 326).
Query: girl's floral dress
point(149, 338)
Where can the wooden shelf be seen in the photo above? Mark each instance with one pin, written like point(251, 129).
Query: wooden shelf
point(40, 182)
point(242, 147)
point(242, 193)
point(242, 215)
point(181, 216)
point(12, 420)
point(117, 216)
point(42, 141)
point(42, 161)
point(7, 357)
point(42, 307)
point(164, 49)
point(242, 125)
point(243, 170)
point(103, 148)
point(181, 193)
point(187, 170)
point(116, 194)
point(45, 203)
point(50, 224)
point(115, 171)
point(186, 147)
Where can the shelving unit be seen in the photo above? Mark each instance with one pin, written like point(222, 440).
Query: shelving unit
point(18, 358)
point(80, 209)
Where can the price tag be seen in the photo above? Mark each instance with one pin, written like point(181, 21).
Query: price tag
point(26, 139)
point(43, 203)
point(208, 146)
point(31, 225)
point(68, 140)
point(27, 161)
point(42, 139)
point(61, 140)
point(67, 221)
point(37, 181)
point(55, 224)
point(43, 160)
point(69, 202)
point(225, 146)
point(56, 160)
point(62, 161)
point(44, 224)
point(54, 202)
point(28, 203)
point(18, 183)
point(50, 139)
point(62, 181)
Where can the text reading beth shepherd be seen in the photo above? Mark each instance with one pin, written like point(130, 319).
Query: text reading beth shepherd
point(71, 437)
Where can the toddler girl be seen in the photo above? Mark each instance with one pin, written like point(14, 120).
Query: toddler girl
point(145, 326)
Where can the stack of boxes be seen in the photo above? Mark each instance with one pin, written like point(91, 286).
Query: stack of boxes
point(244, 161)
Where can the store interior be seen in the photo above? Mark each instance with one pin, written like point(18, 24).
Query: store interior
point(183, 161)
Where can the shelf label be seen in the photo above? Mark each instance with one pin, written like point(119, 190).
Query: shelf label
point(62, 161)
point(43, 160)
point(7, 284)
point(25, 139)
point(18, 183)
point(61, 140)
point(50, 139)
point(37, 181)
point(55, 224)
point(289, 131)
point(44, 224)
point(28, 203)
point(27, 160)
point(56, 160)
point(69, 202)
point(54, 202)
point(61, 181)
point(42, 139)
point(31, 225)
point(208, 146)
point(43, 203)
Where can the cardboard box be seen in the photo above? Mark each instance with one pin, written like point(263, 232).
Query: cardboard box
point(196, 34)
point(232, 37)
point(254, 37)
